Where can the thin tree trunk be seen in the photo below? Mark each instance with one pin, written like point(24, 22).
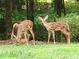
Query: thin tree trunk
point(0, 3)
point(63, 7)
point(16, 4)
point(19, 5)
point(7, 19)
point(59, 6)
point(30, 9)
point(27, 9)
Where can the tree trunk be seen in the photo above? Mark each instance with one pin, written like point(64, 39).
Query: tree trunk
point(30, 10)
point(16, 5)
point(19, 5)
point(0, 3)
point(59, 6)
point(7, 18)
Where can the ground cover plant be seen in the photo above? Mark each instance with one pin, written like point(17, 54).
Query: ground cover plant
point(42, 51)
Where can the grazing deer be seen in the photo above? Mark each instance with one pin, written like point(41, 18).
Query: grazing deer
point(23, 28)
point(56, 26)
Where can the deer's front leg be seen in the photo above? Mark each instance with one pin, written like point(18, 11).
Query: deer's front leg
point(53, 34)
point(49, 34)
point(68, 37)
point(32, 36)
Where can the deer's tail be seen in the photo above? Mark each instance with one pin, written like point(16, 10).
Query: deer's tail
point(68, 28)
point(12, 35)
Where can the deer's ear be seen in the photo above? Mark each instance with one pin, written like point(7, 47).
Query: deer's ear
point(46, 17)
point(39, 17)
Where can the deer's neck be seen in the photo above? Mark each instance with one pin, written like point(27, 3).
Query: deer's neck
point(45, 23)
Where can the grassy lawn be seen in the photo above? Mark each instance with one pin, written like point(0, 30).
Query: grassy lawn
point(45, 51)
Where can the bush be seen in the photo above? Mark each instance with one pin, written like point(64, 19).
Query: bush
point(18, 16)
point(73, 20)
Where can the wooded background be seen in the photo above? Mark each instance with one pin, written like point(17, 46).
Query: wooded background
point(12, 11)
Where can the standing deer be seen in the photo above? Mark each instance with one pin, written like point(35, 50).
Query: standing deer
point(23, 28)
point(56, 26)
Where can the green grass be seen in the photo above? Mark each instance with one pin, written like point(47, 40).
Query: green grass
point(45, 51)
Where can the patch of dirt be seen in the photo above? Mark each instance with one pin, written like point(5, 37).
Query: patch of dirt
point(4, 42)
point(7, 41)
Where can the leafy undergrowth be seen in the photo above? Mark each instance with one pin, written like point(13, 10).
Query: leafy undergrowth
point(42, 51)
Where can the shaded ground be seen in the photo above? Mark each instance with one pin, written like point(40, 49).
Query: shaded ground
point(13, 42)
point(30, 42)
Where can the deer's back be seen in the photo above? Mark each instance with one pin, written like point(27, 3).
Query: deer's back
point(26, 24)
point(57, 26)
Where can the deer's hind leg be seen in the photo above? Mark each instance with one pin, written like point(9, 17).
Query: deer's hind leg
point(18, 37)
point(31, 31)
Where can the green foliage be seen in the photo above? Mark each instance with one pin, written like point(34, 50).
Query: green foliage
point(72, 7)
point(18, 16)
point(40, 31)
point(1, 14)
point(72, 17)
point(73, 20)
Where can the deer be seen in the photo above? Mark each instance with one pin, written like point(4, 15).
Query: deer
point(23, 28)
point(51, 27)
